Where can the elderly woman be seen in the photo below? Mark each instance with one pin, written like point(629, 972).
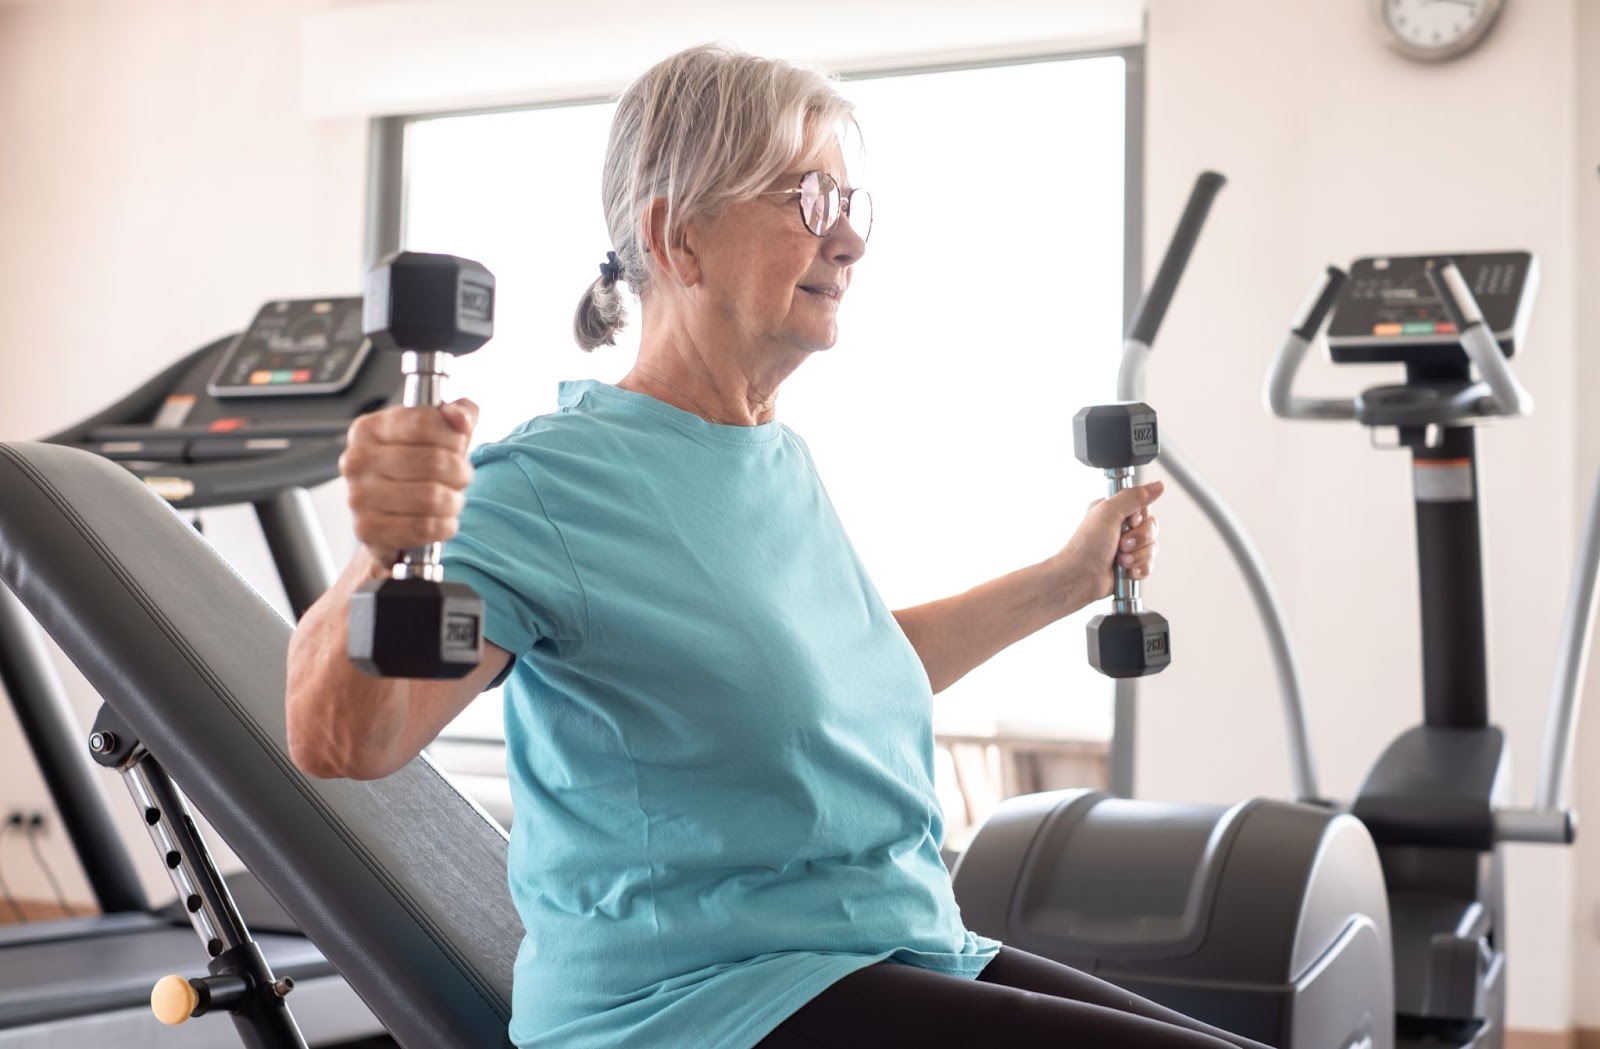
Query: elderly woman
point(718, 736)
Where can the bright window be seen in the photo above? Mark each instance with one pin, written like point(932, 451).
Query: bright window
point(987, 310)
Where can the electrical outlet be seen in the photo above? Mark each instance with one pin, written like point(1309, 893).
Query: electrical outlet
point(16, 818)
point(36, 822)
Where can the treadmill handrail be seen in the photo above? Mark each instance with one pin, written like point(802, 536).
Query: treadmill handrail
point(229, 482)
point(304, 458)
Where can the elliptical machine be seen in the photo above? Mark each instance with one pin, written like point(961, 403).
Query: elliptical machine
point(1296, 924)
point(1437, 800)
point(1266, 918)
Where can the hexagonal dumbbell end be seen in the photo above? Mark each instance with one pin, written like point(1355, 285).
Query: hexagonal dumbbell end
point(1115, 436)
point(1129, 644)
point(417, 628)
point(428, 303)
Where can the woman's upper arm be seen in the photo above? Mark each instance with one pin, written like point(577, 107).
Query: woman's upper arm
point(434, 704)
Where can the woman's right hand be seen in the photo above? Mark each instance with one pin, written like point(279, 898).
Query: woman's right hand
point(407, 470)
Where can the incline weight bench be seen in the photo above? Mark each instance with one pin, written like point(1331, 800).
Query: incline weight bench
point(401, 883)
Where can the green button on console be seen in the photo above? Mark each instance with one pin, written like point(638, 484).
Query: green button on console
point(1417, 328)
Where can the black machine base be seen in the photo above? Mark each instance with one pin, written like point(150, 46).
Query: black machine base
point(1264, 918)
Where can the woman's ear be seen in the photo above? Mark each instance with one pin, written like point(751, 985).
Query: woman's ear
point(673, 256)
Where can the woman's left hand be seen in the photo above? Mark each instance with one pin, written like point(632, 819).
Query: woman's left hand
point(1100, 543)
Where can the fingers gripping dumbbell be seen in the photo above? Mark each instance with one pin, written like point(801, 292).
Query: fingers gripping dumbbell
point(1130, 641)
point(414, 624)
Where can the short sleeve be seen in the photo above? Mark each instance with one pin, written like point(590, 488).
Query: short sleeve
point(508, 551)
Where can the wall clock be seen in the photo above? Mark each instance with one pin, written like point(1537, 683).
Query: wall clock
point(1435, 30)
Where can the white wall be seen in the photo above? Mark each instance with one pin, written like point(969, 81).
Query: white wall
point(1334, 147)
point(157, 184)
point(160, 178)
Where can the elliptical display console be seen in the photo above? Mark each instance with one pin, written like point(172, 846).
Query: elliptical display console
point(1389, 312)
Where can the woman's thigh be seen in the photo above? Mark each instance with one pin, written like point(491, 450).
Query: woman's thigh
point(1029, 972)
point(888, 1004)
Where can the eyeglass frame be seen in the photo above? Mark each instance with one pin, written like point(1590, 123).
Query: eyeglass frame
point(846, 200)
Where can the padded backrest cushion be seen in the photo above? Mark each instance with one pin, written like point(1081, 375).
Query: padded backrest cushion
point(400, 882)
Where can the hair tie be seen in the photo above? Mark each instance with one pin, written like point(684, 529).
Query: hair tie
point(611, 269)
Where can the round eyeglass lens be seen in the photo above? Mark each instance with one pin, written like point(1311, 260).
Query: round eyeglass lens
point(819, 202)
point(860, 216)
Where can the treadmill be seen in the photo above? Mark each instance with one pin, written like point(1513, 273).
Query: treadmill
point(257, 417)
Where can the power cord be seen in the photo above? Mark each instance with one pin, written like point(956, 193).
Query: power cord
point(5, 890)
point(35, 828)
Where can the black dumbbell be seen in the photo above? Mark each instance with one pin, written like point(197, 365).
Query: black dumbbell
point(414, 624)
point(1130, 641)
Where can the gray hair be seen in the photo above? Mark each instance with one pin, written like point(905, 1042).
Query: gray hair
point(702, 129)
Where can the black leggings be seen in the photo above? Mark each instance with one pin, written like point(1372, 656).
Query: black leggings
point(1019, 1000)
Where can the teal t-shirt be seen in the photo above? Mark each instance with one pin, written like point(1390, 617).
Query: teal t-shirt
point(718, 739)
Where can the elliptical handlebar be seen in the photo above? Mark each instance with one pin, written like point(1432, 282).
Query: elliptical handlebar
point(1152, 308)
point(1507, 396)
point(1141, 332)
point(1313, 313)
point(1536, 826)
point(1572, 658)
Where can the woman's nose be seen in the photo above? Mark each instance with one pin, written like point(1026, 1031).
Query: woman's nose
point(843, 244)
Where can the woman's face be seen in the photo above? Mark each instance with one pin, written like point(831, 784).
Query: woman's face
point(767, 278)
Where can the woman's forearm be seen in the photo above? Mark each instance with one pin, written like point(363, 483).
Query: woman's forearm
point(342, 721)
point(956, 634)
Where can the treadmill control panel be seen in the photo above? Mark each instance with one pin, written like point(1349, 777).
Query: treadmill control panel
point(1388, 311)
point(248, 415)
point(294, 347)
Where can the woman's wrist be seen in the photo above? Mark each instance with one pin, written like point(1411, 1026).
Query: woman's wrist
point(1069, 582)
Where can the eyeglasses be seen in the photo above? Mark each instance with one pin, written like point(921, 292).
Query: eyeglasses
point(822, 202)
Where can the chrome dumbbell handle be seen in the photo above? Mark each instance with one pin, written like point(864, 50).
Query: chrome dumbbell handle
point(425, 373)
point(1125, 596)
